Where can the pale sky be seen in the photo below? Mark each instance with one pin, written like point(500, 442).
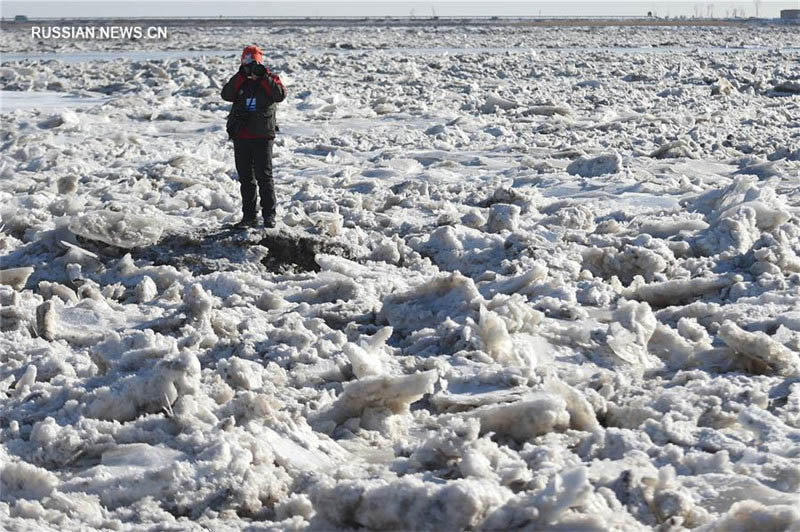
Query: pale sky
point(216, 8)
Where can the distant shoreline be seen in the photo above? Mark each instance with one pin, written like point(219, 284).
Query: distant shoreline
point(396, 21)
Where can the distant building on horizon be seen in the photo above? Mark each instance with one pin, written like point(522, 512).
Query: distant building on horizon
point(790, 14)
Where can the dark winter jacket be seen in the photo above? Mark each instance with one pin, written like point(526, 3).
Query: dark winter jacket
point(259, 119)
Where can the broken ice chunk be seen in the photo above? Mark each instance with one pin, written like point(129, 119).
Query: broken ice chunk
point(146, 290)
point(629, 334)
point(762, 353)
point(46, 324)
point(15, 277)
point(503, 217)
point(26, 381)
point(368, 359)
point(735, 233)
point(496, 340)
point(673, 150)
point(395, 393)
point(524, 420)
point(129, 472)
point(328, 222)
point(450, 402)
point(494, 102)
point(722, 87)
point(549, 110)
point(139, 455)
point(118, 229)
point(676, 291)
point(752, 515)
point(581, 414)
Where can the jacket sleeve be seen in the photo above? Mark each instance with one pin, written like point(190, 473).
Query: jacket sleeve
point(274, 87)
point(232, 87)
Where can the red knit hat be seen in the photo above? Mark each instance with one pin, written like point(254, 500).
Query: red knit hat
point(252, 53)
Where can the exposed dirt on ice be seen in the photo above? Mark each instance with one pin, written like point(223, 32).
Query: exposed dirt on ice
point(230, 249)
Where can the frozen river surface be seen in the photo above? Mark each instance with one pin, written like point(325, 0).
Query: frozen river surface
point(522, 279)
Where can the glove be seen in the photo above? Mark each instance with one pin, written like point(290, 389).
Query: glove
point(244, 70)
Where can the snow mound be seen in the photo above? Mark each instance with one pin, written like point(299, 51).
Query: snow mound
point(549, 508)
point(747, 515)
point(427, 305)
point(148, 391)
point(466, 250)
point(672, 150)
point(586, 166)
point(738, 215)
point(745, 192)
point(26, 481)
point(406, 504)
point(477, 457)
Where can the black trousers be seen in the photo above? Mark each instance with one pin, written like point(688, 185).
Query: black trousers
point(254, 164)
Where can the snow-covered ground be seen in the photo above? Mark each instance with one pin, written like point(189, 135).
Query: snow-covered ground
point(522, 279)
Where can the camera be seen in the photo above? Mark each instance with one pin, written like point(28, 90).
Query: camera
point(258, 69)
point(254, 69)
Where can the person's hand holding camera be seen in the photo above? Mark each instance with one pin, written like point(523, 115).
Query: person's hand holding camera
point(259, 70)
point(253, 70)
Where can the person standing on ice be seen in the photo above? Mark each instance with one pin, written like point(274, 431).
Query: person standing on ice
point(254, 91)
